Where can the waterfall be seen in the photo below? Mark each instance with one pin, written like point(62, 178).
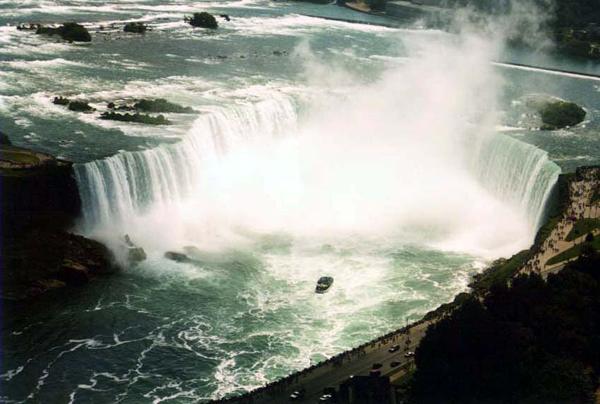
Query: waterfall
point(517, 173)
point(326, 189)
point(120, 187)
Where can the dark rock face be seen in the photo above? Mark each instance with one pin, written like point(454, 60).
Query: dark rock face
point(44, 259)
point(69, 31)
point(177, 257)
point(560, 114)
point(80, 106)
point(137, 118)
point(39, 201)
point(4, 140)
point(76, 106)
point(202, 20)
point(135, 28)
point(61, 101)
point(36, 189)
point(161, 105)
point(135, 254)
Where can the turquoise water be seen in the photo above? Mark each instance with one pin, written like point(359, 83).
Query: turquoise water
point(395, 160)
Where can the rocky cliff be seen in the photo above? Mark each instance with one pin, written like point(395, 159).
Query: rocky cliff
point(39, 203)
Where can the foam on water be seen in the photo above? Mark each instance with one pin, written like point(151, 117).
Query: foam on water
point(400, 194)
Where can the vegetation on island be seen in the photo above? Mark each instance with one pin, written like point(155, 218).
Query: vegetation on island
point(532, 341)
point(76, 106)
point(202, 20)
point(136, 118)
point(69, 31)
point(135, 28)
point(143, 105)
point(161, 105)
point(560, 114)
point(80, 106)
point(152, 105)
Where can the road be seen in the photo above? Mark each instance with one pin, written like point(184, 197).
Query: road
point(356, 364)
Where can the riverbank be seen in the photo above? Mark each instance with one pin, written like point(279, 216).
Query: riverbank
point(39, 205)
point(350, 373)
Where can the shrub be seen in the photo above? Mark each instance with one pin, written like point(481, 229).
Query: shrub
point(559, 114)
point(69, 31)
point(80, 106)
point(203, 20)
point(161, 105)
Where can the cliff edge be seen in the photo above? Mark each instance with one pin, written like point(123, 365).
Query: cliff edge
point(39, 202)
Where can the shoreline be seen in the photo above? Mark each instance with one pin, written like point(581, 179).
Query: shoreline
point(339, 369)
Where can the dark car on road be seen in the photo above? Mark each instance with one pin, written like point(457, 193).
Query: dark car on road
point(297, 395)
point(394, 348)
point(329, 395)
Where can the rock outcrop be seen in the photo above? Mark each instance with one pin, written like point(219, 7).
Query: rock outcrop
point(135, 28)
point(136, 118)
point(69, 31)
point(80, 106)
point(39, 203)
point(561, 114)
point(76, 106)
point(161, 105)
point(135, 254)
point(202, 20)
point(4, 140)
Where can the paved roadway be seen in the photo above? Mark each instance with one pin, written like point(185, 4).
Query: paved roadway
point(359, 364)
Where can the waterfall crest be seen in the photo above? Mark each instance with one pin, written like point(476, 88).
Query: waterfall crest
point(269, 190)
point(119, 187)
point(517, 173)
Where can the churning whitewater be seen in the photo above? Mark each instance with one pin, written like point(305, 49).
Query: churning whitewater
point(367, 168)
point(316, 148)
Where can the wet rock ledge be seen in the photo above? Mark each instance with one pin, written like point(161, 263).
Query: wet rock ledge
point(39, 204)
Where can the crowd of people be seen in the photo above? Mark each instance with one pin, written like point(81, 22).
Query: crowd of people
point(582, 189)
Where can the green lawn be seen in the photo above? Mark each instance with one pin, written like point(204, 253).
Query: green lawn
point(583, 226)
point(572, 252)
point(501, 272)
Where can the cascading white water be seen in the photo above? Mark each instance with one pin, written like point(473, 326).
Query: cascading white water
point(517, 173)
point(116, 189)
point(399, 161)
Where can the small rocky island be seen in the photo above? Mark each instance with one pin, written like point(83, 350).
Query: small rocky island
point(548, 112)
point(560, 114)
point(40, 202)
point(202, 20)
point(141, 110)
point(69, 31)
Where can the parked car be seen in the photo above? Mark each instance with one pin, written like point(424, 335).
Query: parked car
point(394, 348)
point(409, 354)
